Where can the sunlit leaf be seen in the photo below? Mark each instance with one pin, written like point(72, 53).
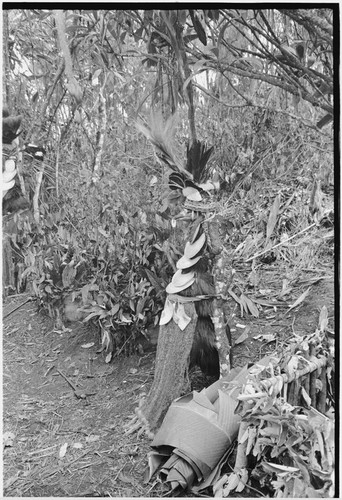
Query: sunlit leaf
point(180, 317)
point(323, 319)
point(108, 357)
point(115, 309)
point(191, 194)
point(167, 312)
point(63, 450)
point(87, 346)
point(8, 438)
point(305, 396)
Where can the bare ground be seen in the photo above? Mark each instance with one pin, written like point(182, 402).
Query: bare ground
point(71, 443)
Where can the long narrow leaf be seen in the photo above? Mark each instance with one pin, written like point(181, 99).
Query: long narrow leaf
point(272, 219)
point(300, 299)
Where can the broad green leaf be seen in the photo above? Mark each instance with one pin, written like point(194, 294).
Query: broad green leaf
point(115, 309)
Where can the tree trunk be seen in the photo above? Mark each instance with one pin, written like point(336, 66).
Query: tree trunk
point(8, 280)
point(6, 64)
point(189, 92)
point(174, 346)
point(221, 272)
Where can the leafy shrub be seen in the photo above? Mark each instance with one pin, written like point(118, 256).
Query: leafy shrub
point(116, 272)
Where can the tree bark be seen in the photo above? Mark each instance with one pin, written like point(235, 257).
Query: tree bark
point(8, 280)
point(174, 346)
point(222, 279)
point(6, 63)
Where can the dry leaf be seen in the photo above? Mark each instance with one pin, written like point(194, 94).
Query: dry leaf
point(232, 483)
point(154, 180)
point(10, 481)
point(87, 346)
point(8, 438)
point(236, 298)
point(250, 306)
point(243, 473)
point(167, 312)
point(242, 337)
point(92, 438)
point(323, 319)
point(305, 396)
point(272, 219)
point(180, 317)
point(125, 478)
point(292, 366)
point(300, 299)
point(108, 357)
point(278, 468)
point(63, 450)
point(268, 337)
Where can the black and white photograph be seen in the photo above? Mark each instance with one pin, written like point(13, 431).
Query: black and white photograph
point(169, 270)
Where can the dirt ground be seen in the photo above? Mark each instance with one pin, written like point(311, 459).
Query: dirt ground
point(70, 441)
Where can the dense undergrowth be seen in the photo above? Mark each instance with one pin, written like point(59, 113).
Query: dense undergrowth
point(99, 241)
point(110, 249)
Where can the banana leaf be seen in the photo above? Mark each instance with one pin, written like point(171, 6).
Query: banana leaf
point(197, 432)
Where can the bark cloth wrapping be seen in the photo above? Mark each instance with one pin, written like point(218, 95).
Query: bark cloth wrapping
point(197, 431)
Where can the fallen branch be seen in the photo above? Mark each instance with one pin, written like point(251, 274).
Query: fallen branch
point(281, 243)
point(18, 307)
point(78, 394)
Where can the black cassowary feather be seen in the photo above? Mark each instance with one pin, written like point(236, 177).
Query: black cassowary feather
point(204, 353)
point(197, 159)
point(10, 127)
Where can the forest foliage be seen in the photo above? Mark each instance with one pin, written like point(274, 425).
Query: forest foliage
point(255, 84)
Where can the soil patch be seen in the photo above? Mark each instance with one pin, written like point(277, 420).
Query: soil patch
point(66, 409)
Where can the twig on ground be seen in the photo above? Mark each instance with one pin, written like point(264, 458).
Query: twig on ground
point(29, 299)
point(280, 243)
